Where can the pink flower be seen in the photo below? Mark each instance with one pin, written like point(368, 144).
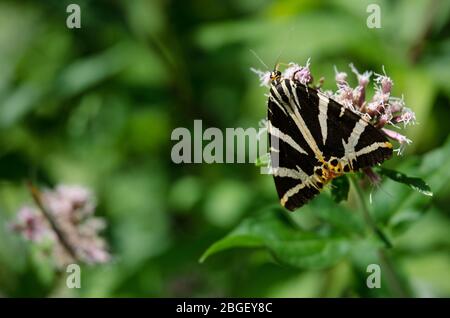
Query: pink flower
point(381, 110)
point(304, 74)
point(407, 117)
point(341, 78)
point(69, 222)
point(364, 78)
point(30, 224)
point(290, 71)
point(386, 83)
point(78, 196)
point(56, 203)
point(397, 104)
point(264, 77)
point(403, 140)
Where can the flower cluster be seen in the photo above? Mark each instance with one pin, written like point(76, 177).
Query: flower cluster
point(299, 73)
point(381, 110)
point(65, 217)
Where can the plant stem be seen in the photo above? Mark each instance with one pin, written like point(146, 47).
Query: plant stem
point(51, 220)
point(391, 276)
point(366, 213)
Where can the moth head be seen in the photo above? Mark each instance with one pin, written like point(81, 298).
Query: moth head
point(275, 75)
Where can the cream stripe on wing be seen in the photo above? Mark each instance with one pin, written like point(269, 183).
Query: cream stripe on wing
point(349, 146)
point(323, 109)
point(298, 119)
point(274, 99)
point(373, 147)
point(274, 150)
point(310, 182)
point(294, 89)
point(278, 98)
point(282, 172)
point(291, 192)
point(286, 138)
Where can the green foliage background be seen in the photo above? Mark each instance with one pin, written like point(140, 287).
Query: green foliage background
point(97, 106)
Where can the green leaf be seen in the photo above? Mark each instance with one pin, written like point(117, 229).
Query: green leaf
point(273, 230)
point(87, 72)
point(18, 103)
point(340, 217)
point(232, 241)
point(340, 188)
point(414, 183)
point(397, 206)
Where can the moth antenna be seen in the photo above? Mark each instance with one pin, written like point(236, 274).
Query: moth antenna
point(277, 61)
point(259, 59)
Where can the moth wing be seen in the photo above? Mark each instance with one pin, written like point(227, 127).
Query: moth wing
point(352, 139)
point(292, 161)
point(337, 131)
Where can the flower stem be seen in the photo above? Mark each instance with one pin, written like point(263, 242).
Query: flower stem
point(391, 276)
point(366, 213)
point(53, 224)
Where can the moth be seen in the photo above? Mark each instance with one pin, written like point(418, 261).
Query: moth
point(314, 139)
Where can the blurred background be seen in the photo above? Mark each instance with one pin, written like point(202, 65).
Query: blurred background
point(96, 106)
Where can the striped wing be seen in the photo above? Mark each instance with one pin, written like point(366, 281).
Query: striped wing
point(314, 139)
